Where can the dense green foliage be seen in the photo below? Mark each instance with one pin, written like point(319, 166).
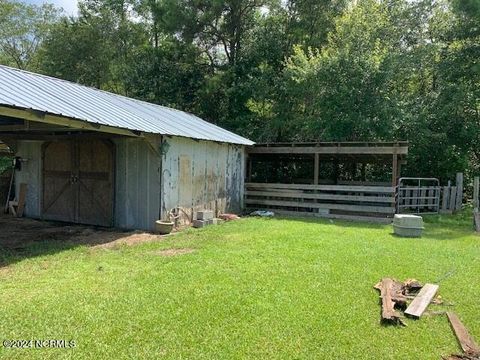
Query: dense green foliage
point(5, 164)
point(252, 289)
point(271, 70)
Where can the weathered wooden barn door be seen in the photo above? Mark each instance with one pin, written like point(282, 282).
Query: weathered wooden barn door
point(95, 182)
point(78, 181)
point(59, 194)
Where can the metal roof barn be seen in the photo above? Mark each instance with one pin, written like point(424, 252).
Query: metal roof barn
point(25, 90)
point(91, 157)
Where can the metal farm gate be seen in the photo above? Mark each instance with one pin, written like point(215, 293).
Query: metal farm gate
point(418, 195)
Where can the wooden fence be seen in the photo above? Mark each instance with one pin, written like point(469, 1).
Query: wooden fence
point(421, 199)
point(373, 203)
point(428, 199)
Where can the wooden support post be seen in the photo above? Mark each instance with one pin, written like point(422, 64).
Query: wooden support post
point(459, 183)
point(336, 172)
point(316, 169)
point(394, 169)
point(249, 170)
point(22, 197)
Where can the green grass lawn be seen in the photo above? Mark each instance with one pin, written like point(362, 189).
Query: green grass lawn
point(254, 288)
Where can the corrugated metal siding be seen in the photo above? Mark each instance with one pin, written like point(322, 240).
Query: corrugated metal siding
point(33, 91)
point(137, 191)
point(31, 174)
point(198, 175)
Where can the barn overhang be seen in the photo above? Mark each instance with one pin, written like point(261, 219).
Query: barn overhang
point(28, 124)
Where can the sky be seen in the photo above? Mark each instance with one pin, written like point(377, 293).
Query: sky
point(70, 6)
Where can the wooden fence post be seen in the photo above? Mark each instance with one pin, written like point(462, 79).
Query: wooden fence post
point(445, 197)
point(476, 185)
point(476, 214)
point(453, 197)
point(316, 169)
point(459, 183)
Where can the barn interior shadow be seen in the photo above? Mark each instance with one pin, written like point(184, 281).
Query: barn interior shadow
point(27, 238)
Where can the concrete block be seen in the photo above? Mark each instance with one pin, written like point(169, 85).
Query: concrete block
point(198, 224)
point(217, 221)
point(205, 215)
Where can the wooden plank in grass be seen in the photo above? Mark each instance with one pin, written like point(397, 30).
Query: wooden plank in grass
point(389, 292)
point(422, 300)
point(467, 343)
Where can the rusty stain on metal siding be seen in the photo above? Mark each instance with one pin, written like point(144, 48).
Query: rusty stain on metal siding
point(202, 175)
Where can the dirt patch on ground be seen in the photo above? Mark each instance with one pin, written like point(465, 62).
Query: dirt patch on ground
point(130, 240)
point(174, 252)
point(17, 234)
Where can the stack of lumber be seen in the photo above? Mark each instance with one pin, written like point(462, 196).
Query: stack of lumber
point(395, 295)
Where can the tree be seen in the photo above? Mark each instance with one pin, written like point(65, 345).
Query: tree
point(23, 29)
point(95, 48)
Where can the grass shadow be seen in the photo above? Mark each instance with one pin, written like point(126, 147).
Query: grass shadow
point(27, 238)
point(337, 222)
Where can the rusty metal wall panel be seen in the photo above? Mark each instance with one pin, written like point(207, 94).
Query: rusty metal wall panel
point(31, 174)
point(137, 190)
point(202, 175)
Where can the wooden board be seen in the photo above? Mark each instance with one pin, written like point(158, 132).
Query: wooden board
point(22, 196)
point(422, 300)
point(316, 169)
point(446, 196)
point(335, 197)
point(467, 343)
point(390, 291)
point(453, 197)
point(377, 150)
point(459, 198)
point(271, 186)
point(312, 205)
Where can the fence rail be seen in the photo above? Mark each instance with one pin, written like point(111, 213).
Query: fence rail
point(353, 202)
